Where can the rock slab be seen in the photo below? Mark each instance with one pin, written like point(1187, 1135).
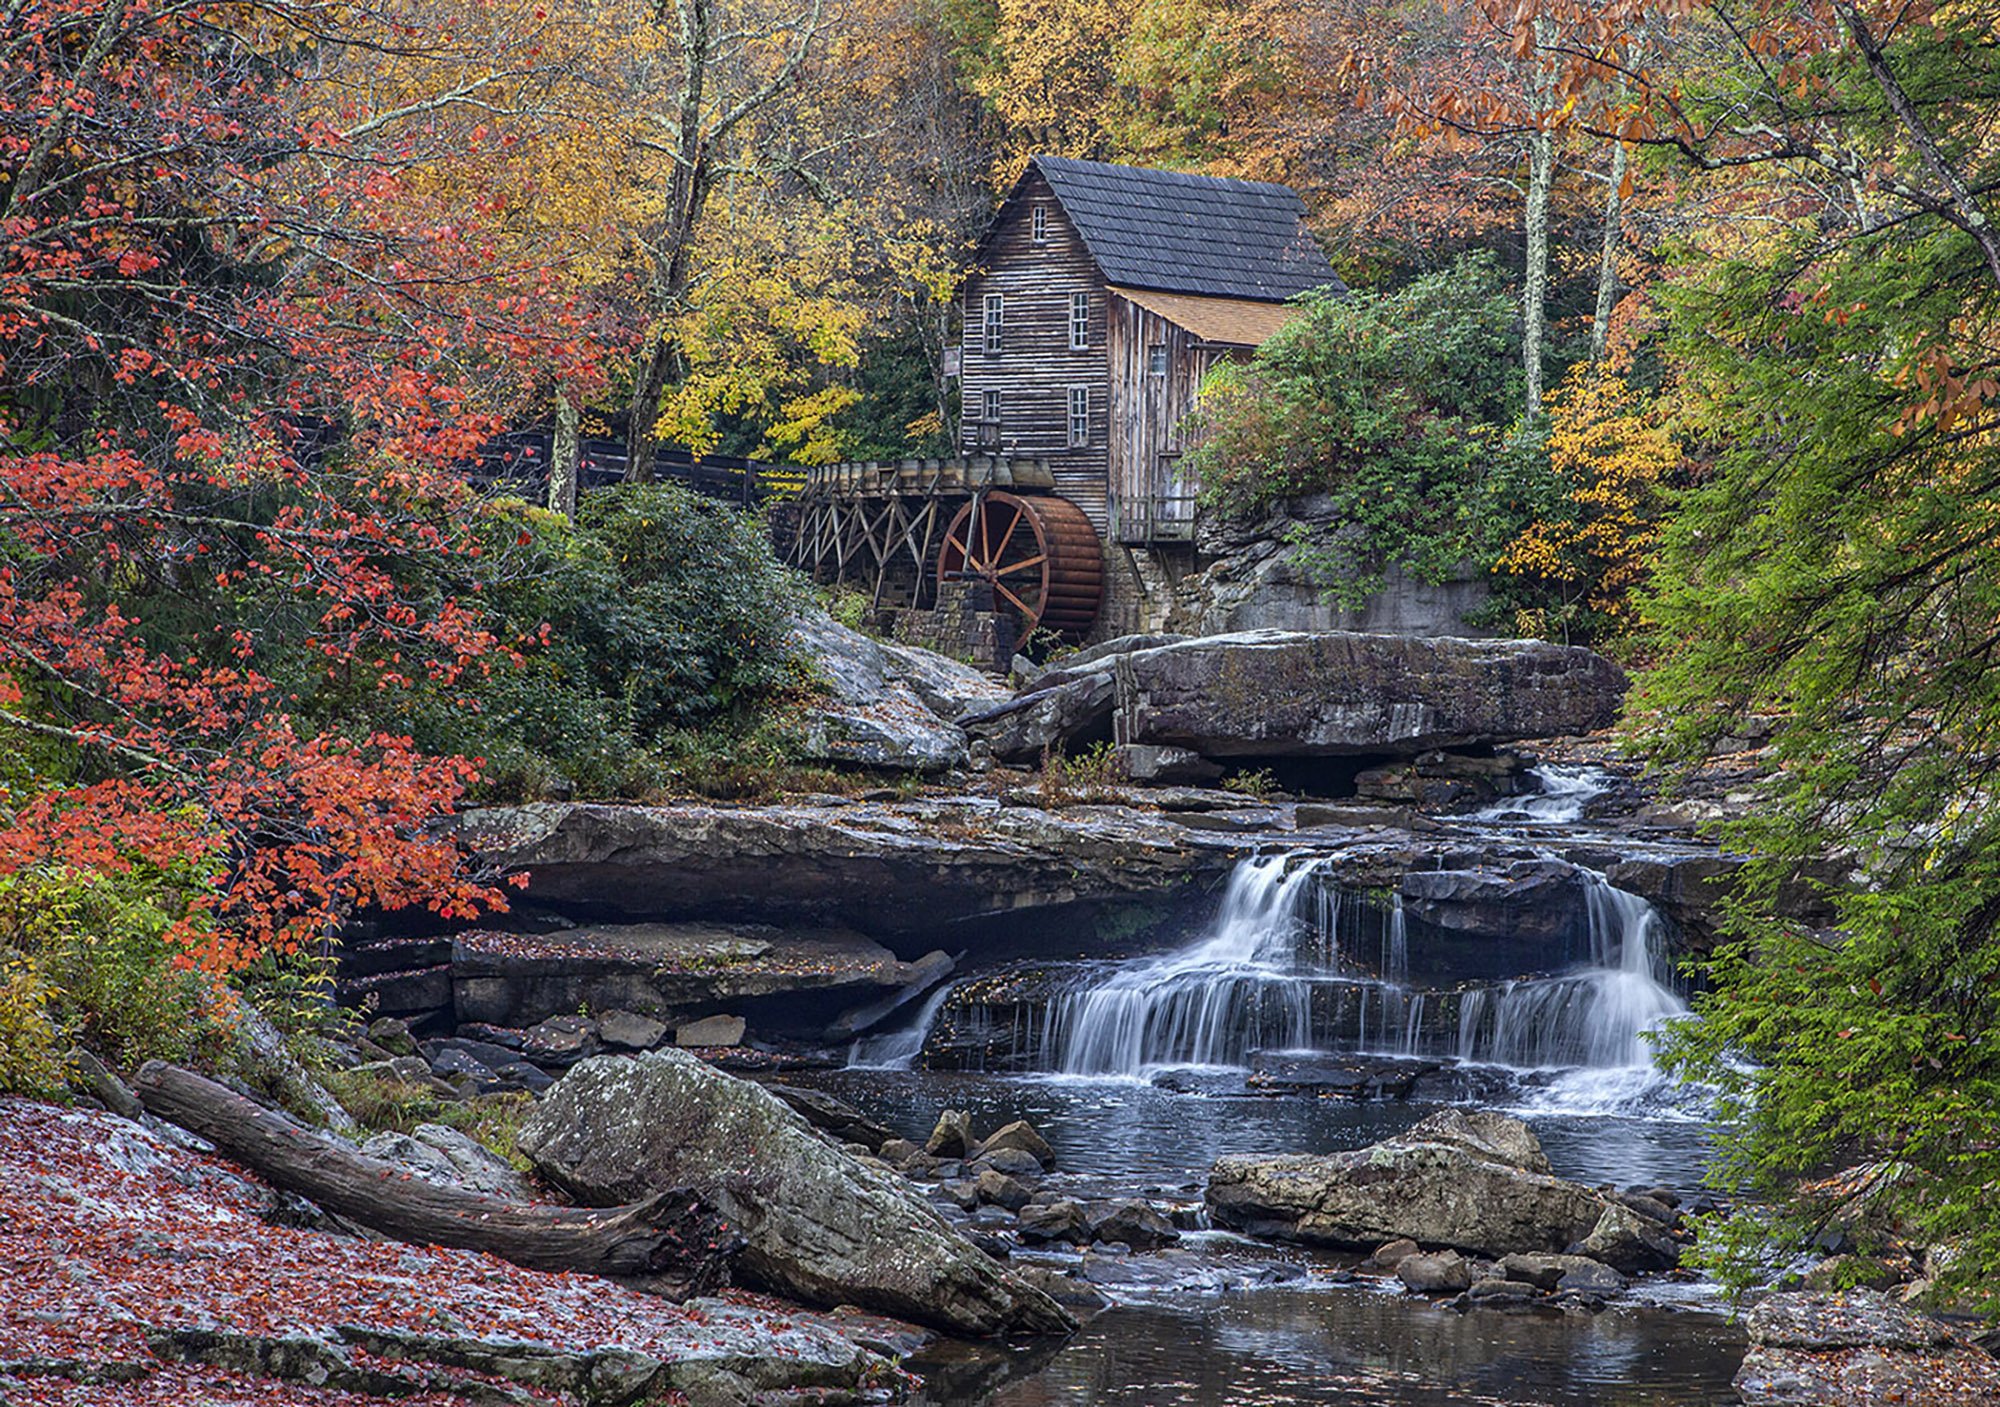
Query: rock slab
point(1273, 693)
point(819, 1224)
point(1472, 1181)
point(1858, 1349)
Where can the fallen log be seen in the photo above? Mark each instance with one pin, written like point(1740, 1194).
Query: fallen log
point(670, 1242)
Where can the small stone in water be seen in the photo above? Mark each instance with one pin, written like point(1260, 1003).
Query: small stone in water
point(1391, 1254)
point(1444, 1273)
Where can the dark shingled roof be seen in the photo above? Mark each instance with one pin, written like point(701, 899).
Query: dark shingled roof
point(1178, 233)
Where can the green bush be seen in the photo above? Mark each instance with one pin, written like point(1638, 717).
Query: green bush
point(88, 960)
point(657, 615)
point(1398, 407)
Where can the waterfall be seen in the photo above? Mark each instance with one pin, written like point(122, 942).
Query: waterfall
point(1278, 971)
point(1565, 791)
point(1598, 1017)
point(895, 1050)
point(1237, 990)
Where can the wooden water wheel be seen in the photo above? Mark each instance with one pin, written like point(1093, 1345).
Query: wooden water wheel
point(1040, 555)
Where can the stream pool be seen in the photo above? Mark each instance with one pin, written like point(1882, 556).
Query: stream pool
point(1223, 1321)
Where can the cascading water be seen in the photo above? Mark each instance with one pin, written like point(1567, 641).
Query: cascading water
point(1597, 1018)
point(1563, 793)
point(1281, 970)
point(1235, 991)
point(896, 1050)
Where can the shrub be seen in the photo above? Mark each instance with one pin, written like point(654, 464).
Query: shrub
point(1396, 406)
point(88, 961)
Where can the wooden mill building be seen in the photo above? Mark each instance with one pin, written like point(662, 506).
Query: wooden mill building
point(1100, 298)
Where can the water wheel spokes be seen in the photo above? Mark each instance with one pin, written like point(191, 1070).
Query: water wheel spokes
point(1040, 556)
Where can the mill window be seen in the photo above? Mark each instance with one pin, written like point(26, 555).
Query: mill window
point(1156, 359)
point(989, 407)
point(1079, 416)
point(1079, 322)
point(996, 316)
point(1039, 221)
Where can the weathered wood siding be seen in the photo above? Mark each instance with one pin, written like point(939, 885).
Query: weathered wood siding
point(1036, 367)
point(1148, 437)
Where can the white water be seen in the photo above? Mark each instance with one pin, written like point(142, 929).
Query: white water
point(1565, 791)
point(895, 1050)
point(1250, 984)
point(1598, 1018)
point(1212, 1003)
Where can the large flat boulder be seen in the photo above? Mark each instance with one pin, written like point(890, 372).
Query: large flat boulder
point(1272, 693)
point(887, 868)
point(1476, 1182)
point(794, 980)
point(820, 1225)
point(1858, 1348)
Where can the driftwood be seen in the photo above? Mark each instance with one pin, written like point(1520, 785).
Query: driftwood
point(670, 1240)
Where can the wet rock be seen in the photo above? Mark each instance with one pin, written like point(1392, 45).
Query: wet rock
point(1078, 1296)
point(1045, 1222)
point(1129, 1222)
point(1493, 1290)
point(918, 979)
point(1442, 1273)
point(1297, 694)
point(1857, 1348)
point(710, 1031)
point(451, 1159)
point(561, 1041)
point(899, 1151)
point(952, 1137)
point(999, 1190)
point(818, 1225)
point(1015, 1162)
point(962, 1192)
point(629, 1031)
point(1629, 1243)
point(1020, 1135)
point(1391, 1254)
point(1477, 1182)
point(1545, 1272)
point(1584, 1276)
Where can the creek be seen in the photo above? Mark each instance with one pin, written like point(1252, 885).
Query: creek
point(1278, 1030)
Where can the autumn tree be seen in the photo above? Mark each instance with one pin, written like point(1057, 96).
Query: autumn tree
point(233, 385)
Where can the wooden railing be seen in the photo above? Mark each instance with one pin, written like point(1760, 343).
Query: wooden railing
point(1155, 518)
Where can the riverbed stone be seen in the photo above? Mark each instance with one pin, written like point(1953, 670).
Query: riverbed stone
point(1044, 1222)
point(1584, 1276)
point(1020, 1135)
point(1391, 1254)
point(1015, 1162)
point(1545, 1272)
point(818, 1224)
point(1438, 1273)
point(952, 1137)
point(1629, 1242)
point(1475, 1182)
point(1127, 1221)
point(999, 1190)
point(1497, 1290)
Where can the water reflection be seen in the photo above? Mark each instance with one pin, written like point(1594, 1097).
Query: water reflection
point(1335, 1345)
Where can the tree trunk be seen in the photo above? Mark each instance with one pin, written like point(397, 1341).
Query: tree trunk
point(1607, 259)
point(1535, 281)
point(670, 1241)
point(642, 426)
point(565, 457)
